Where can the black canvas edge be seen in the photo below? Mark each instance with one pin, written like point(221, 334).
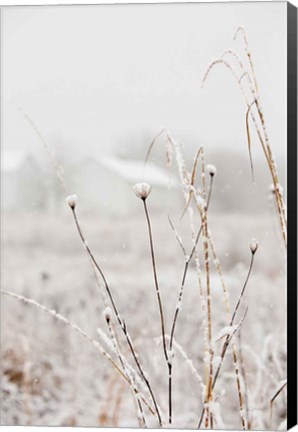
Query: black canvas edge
point(292, 213)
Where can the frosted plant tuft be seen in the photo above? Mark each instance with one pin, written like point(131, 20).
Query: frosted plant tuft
point(253, 245)
point(72, 201)
point(211, 169)
point(142, 190)
point(107, 313)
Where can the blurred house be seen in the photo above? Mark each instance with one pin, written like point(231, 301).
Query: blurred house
point(22, 186)
point(105, 183)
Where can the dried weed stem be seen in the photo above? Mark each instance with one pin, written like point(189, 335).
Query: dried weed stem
point(121, 322)
point(159, 301)
point(262, 133)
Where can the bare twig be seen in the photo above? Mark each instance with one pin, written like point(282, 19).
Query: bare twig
point(248, 139)
point(159, 301)
point(192, 182)
point(244, 381)
point(276, 394)
point(123, 363)
point(228, 339)
point(67, 322)
point(121, 322)
point(263, 136)
point(222, 356)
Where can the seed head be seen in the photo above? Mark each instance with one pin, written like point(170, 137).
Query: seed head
point(72, 200)
point(142, 190)
point(211, 169)
point(107, 313)
point(253, 246)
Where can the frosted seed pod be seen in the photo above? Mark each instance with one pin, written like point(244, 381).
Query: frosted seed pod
point(107, 313)
point(72, 200)
point(142, 190)
point(211, 169)
point(253, 245)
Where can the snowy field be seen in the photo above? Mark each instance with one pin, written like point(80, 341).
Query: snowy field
point(53, 376)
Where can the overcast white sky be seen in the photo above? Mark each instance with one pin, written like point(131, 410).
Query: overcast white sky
point(95, 77)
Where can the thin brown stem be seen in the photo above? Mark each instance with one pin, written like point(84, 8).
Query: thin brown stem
point(160, 307)
point(228, 339)
point(228, 314)
point(264, 140)
point(248, 139)
point(58, 169)
point(241, 29)
point(192, 182)
point(270, 161)
point(178, 307)
point(121, 322)
point(77, 329)
point(244, 381)
point(223, 352)
point(243, 289)
point(178, 239)
point(283, 385)
point(186, 266)
point(159, 301)
point(122, 361)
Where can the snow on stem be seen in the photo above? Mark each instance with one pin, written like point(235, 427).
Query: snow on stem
point(74, 327)
point(158, 296)
point(120, 321)
point(125, 368)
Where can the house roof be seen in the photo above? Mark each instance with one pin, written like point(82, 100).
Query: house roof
point(135, 171)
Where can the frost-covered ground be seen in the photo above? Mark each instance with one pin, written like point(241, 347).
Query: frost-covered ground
point(53, 376)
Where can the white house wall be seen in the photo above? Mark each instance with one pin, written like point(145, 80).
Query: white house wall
point(100, 189)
